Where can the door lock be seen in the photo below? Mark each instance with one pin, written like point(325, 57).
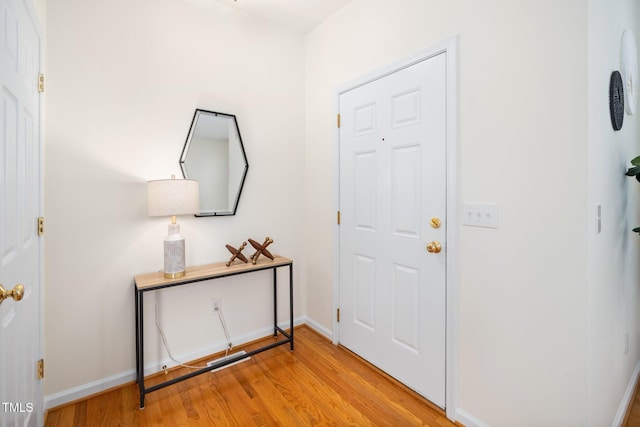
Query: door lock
point(435, 222)
point(434, 247)
point(16, 293)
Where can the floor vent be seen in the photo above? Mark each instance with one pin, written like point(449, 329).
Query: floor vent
point(230, 356)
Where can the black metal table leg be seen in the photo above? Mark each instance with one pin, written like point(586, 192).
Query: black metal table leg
point(140, 346)
point(275, 302)
point(135, 294)
point(291, 304)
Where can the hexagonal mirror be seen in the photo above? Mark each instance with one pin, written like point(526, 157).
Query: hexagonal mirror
point(214, 155)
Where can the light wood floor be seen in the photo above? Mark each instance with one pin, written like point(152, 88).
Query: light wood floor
point(632, 418)
point(317, 384)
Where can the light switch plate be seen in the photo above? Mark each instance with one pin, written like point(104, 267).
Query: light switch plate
point(480, 215)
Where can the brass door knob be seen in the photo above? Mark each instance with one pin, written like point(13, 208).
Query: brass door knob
point(16, 293)
point(434, 247)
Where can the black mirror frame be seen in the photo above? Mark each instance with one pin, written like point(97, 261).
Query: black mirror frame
point(244, 157)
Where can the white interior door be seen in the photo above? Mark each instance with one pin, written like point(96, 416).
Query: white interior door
point(20, 199)
point(392, 183)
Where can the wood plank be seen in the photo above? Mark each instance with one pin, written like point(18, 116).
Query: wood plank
point(317, 384)
point(208, 271)
point(632, 417)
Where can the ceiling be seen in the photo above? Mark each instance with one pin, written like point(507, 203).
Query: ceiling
point(299, 15)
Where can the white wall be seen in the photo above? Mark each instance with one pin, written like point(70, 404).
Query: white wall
point(522, 129)
point(613, 294)
point(124, 78)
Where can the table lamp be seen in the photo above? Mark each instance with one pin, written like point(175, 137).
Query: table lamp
point(173, 197)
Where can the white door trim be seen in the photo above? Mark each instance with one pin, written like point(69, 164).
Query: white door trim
point(448, 46)
point(35, 19)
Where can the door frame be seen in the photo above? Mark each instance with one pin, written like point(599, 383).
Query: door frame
point(30, 7)
point(36, 18)
point(449, 47)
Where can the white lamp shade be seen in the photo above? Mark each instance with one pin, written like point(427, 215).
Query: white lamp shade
point(173, 197)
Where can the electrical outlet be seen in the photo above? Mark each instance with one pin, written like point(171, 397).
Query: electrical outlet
point(216, 305)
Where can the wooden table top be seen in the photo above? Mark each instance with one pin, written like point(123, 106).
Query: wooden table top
point(208, 271)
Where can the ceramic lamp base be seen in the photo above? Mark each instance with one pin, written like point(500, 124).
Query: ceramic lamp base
point(174, 259)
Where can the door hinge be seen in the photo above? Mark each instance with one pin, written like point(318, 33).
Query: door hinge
point(41, 369)
point(40, 82)
point(338, 217)
point(338, 315)
point(40, 226)
point(338, 120)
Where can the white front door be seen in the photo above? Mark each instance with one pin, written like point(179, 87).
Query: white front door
point(392, 184)
point(20, 206)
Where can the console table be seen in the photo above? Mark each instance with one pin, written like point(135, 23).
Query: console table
point(154, 281)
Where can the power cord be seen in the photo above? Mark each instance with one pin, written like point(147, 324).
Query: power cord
point(225, 330)
point(166, 344)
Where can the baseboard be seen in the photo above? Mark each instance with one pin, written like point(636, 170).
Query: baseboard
point(84, 390)
point(100, 385)
point(469, 420)
point(319, 328)
point(627, 398)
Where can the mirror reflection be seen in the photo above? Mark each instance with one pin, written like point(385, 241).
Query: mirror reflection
point(214, 155)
